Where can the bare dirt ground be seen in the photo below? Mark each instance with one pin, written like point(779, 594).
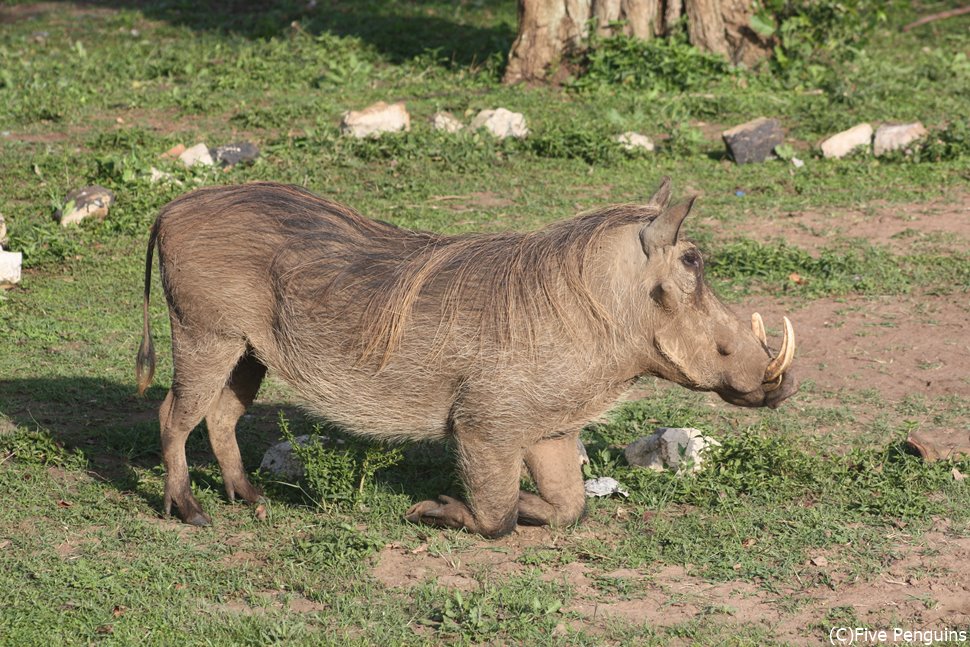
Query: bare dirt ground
point(895, 348)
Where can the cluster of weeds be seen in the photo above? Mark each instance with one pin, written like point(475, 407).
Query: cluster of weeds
point(668, 65)
point(861, 269)
point(337, 545)
point(817, 32)
point(36, 447)
point(523, 606)
point(337, 467)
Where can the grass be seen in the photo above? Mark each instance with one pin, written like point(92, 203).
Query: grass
point(94, 93)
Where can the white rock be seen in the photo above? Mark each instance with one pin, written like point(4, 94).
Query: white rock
point(446, 121)
point(797, 163)
point(198, 154)
point(376, 119)
point(501, 122)
point(843, 143)
point(10, 264)
point(603, 486)
point(162, 176)
point(891, 137)
point(632, 141)
point(89, 202)
point(3, 230)
point(669, 447)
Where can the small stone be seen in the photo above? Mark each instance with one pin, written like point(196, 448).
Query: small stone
point(501, 122)
point(670, 447)
point(957, 474)
point(603, 486)
point(89, 202)
point(892, 137)
point(753, 141)
point(10, 266)
point(843, 143)
point(376, 119)
point(233, 154)
point(797, 163)
point(632, 141)
point(162, 176)
point(198, 154)
point(446, 122)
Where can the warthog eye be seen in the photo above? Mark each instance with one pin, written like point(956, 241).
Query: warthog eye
point(691, 259)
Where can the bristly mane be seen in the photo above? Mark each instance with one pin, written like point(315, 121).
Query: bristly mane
point(506, 279)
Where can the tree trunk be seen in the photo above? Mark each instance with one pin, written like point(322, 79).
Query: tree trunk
point(549, 30)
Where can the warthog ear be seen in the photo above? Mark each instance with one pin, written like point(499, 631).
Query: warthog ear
point(663, 230)
point(662, 197)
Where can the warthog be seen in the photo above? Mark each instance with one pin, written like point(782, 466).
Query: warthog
point(508, 343)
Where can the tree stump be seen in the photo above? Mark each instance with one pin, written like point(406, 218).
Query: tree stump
point(550, 30)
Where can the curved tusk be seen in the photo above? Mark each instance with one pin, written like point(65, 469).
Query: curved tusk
point(778, 366)
point(758, 328)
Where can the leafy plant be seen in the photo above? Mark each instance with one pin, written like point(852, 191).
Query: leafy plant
point(337, 468)
point(669, 65)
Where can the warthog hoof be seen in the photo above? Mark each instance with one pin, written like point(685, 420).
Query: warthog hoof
point(446, 511)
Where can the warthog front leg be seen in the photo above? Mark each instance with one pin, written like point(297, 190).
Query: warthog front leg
point(555, 468)
point(490, 471)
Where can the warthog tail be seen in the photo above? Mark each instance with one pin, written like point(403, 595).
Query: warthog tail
point(145, 361)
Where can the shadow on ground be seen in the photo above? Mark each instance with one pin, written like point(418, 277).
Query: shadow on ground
point(399, 31)
point(118, 434)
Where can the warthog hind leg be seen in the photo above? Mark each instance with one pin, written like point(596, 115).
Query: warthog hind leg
point(221, 421)
point(491, 478)
point(202, 369)
point(554, 466)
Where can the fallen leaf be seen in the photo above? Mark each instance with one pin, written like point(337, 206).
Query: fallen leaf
point(423, 548)
point(648, 516)
point(621, 514)
point(119, 610)
point(4, 543)
point(61, 503)
point(796, 278)
point(820, 561)
point(749, 542)
point(174, 151)
point(957, 474)
point(105, 629)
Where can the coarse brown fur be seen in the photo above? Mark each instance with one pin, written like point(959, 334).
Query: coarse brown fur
point(508, 343)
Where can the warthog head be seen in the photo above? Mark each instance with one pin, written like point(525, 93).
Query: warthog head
point(695, 340)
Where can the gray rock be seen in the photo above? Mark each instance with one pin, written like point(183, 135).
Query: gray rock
point(233, 154)
point(447, 122)
point(753, 141)
point(10, 266)
point(893, 137)
point(603, 486)
point(376, 119)
point(501, 122)
point(841, 144)
point(89, 202)
point(198, 154)
point(280, 459)
point(632, 141)
point(669, 447)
